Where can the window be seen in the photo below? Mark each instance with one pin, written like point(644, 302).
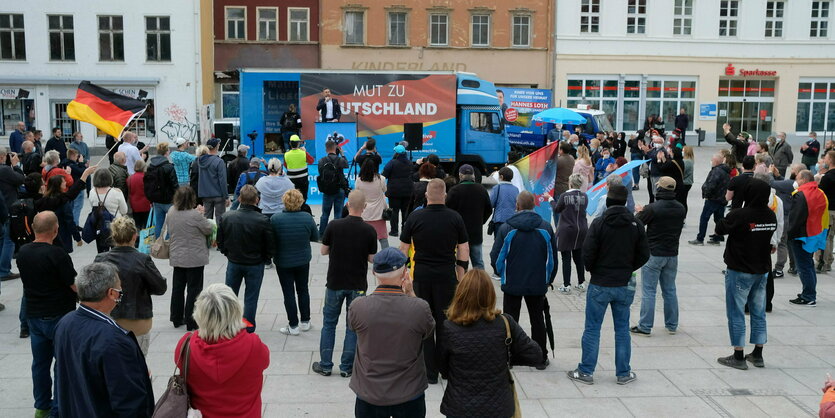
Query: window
point(590, 16)
point(298, 26)
point(61, 38)
point(820, 19)
point(267, 23)
point(236, 23)
point(728, 15)
point(485, 122)
point(14, 110)
point(354, 28)
point(636, 16)
point(815, 106)
point(481, 30)
point(438, 29)
point(600, 94)
point(230, 99)
point(12, 37)
point(682, 17)
point(522, 30)
point(397, 28)
point(60, 119)
point(111, 39)
point(665, 97)
point(774, 18)
point(158, 38)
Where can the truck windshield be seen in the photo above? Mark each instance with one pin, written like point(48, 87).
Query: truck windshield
point(485, 122)
point(603, 123)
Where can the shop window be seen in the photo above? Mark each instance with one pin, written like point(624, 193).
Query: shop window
point(636, 16)
point(158, 38)
point(481, 30)
point(12, 37)
point(820, 19)
point(815, 106)
point(682, 17)
point(439, 29)
point(267, 23)
point(728, 17)
point(397, 28)
point(61, 38)
point(666, 98)
point(236, 23)
point(13, 111)
point(230, 100)
point(590, 16)
point(299, 24)
point(354, 27)
point(774, 18)
point(111, 39)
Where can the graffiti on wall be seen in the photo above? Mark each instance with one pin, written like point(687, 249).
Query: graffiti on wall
point(178, 124)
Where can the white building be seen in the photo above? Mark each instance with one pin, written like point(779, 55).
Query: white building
point(762, 66)
point(147, 49)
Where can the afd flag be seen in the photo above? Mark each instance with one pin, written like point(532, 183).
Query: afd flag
point(599, 190)
point(539, 170)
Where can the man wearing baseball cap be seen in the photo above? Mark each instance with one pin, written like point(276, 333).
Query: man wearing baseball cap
point(212, 182)
point(182, 160)
point(391, 323)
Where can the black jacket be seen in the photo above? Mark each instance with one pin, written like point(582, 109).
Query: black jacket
point(398, 172)
point(10, 181)
point(31, 162)
point(738, 146)
point(472, 202)
point(716, 184)
point(290, 122)
point(323, 109)
point(524, 254)
point(245, 236)
point(682, 121)
point(827, 184)
point(167, 174)
point(749, 231)
point(140, 279)
point(664, 220)
point(619, 147)
point(473, 359)
point(233, 172)
point(56, 144)
point(616, 245)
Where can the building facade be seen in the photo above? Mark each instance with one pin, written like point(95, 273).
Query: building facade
point(762, 66)
point(147, 50)
point(507, 43)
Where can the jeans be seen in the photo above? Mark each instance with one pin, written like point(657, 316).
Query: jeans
point(42, 339)
point(476, 256)
point(77, 205)
point(294, 281)
point(806, 270)
point(711, 208)
point(252, 277)
point(741, 288)
point(597, 299)
point(331, 312)
point(636, 172)
point(6, 252)
point(659, 270)
point(416, 408)
point(566, 256)
point(214, 207)
point(185, 278)
point(329, 201)
point(285, 135)
point(438, 293)
point(512, 304)
point(160, 210)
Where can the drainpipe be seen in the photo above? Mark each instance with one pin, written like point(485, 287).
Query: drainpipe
point(553, 4)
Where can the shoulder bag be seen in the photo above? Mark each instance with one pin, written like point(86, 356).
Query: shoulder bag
point(517, 413)
point(161, 247)
point(491, 226)
point(174, 402)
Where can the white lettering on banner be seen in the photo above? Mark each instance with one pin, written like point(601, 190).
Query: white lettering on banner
point(377, 108)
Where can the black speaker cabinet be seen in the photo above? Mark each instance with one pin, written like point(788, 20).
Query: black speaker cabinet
point(413, 134)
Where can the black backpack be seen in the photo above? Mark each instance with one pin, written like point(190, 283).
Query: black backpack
point(21, 214)
point(331, 179)
point(97, 226)
point(157, 188)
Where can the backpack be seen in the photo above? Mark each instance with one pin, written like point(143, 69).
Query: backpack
point(97, 226)
point(330, 180)
point(156, 187)
point(290, 123)
point(21, 214)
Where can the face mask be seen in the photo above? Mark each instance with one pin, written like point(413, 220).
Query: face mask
point(658, 146)
point(605, 156)
point(593, 149)
point(817, 167)
point(575, 144)
point(750, 140)
point(795, 185)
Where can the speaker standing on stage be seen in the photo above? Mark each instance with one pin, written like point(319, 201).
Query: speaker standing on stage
point(328, 107)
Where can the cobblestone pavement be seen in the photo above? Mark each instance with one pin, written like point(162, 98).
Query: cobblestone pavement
point(677, 374)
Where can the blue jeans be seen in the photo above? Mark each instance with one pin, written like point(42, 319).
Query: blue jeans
point(711, 208)
point(331, 311)
point(636, 172)
point(329, 201)
point(252, 277)
point(160, 210)
point(294, 280)
point(663, 270)
point(742, 288)
point(597, 299)
point(77, 205)
point(42, 339)
point(286, 137)
point(476, 256)
point(805, 269)
point(6, 252)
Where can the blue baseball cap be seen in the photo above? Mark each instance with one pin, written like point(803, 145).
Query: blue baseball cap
point(400, 149)
point(388, 260)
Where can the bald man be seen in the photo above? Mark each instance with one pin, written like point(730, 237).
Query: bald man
point(120, 172)
point(439, 239)
point(16, 138)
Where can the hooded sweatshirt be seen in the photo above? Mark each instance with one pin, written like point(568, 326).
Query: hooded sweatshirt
point(523, 254)
point(749, 230)
point(225, 378)
point(212, 180)
point(616, 245)
point(272, 189)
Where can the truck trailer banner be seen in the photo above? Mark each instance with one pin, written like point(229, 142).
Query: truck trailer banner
point(381, 103)
point(539, 170)
point(518, 107)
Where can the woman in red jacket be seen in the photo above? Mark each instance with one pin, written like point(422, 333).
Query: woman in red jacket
point(226, 363)
point(139, 204)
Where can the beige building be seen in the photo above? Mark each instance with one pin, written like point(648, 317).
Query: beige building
point(507, 43)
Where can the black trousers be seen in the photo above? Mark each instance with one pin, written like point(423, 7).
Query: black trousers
point(536, 310)
point(577, 255)
point(438, 292)
point(685, 193)
point(185, 278)
point(399, 211)
point(415, 408)
point(302, 184)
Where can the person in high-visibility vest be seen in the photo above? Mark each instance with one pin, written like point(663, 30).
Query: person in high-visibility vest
point(296, 161)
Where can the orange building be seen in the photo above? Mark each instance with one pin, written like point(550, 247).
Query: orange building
point(508, 43)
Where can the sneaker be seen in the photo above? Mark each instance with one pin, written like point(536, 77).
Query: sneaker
point(793, 271)
point(778, 274)
point(731, 361)
point(346, 374)
point(24, 333)
point(564, 289)
point(304, 326)
point(318, 369)
point(394, 233)
point(803, 302)
point(696, 242)
point(268, 266)
point(636, 187)
point(288, 330)
point(11, 276)
point(496, 277)
point(637, 331)
point(671, 331)
point(543, 365)
point(624, 380)
point(757, 362)
point(714, 242)
point(581, 286)
point(2, 307)
point(432, 380)
point(819, 269)
point(578, 376)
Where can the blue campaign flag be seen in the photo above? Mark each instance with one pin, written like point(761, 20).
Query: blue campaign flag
point(601, 188)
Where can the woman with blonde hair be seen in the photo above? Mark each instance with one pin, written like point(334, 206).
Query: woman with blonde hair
point(226, 363)
point(139, 277)
point(583, 166)
point(474, 356)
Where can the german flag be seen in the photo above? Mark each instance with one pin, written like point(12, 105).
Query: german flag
point(104, 109)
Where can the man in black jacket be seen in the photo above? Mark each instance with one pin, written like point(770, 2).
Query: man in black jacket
point(57, 143)
point(237, 166)
point(713, 192)
point(245, 237)
point(783, 188)
point(616, 246)
point(472, 202)
point(11, 178)
point(682, 122)
point(524, 255)
point(748, 257)
point(664, 220)
point(328, 107)
point(332, 183)
point(160, 185)
point(739, 143)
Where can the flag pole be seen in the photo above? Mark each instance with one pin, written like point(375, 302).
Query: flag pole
point(122, 135)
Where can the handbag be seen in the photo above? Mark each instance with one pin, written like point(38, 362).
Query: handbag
point(517, 412)
point(491, 226)
point(174, 402)
point(146, 235)
point(161, 247)
point(644, 171)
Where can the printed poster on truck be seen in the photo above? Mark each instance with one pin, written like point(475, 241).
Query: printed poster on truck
point(518, 107)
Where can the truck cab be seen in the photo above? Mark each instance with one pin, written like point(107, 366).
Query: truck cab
point(596, 121)
point(482, 140)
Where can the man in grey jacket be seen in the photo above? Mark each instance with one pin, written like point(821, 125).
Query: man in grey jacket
point(212, 182)
point(782, 153)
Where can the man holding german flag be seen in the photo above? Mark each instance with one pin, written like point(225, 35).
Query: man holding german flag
point(104, 109)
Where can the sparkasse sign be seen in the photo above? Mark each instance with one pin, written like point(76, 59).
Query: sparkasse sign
point(731, 71)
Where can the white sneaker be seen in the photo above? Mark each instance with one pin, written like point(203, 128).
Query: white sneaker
point(288, 330)
point(268, 266)
point(581, 286)
point(305, 326)
point(564, 289)
point(496, 277)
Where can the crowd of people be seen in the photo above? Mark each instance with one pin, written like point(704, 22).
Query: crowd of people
point(433, 313)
